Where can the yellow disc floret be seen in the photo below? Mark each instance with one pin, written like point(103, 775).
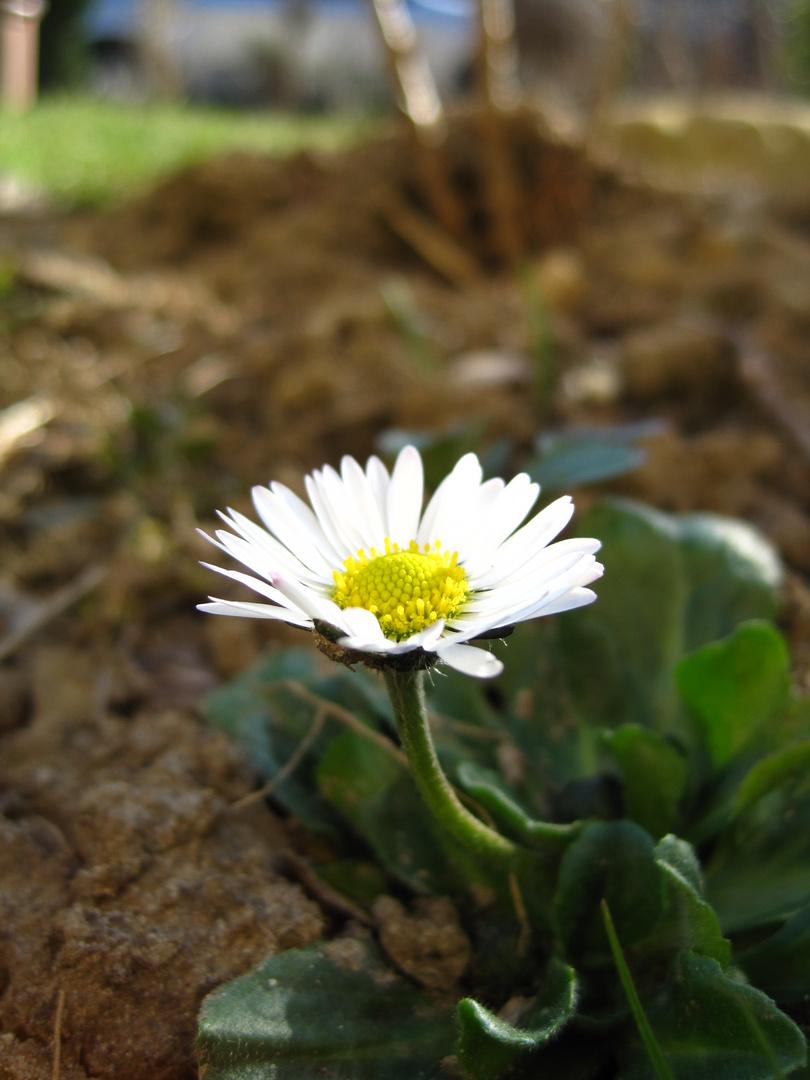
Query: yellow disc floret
point(406, 590)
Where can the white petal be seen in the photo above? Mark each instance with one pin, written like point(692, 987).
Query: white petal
point(307, 518)
point(362, 644)
point(379, 480)
point(525, 543)
point(501, 518)
point(280, 556)
point(294, 534)
point(254, 611)
point(428, 638)
point(574, 598)
point(340, 508)
point(250, 555)
point(585, 572)
point(466, 629)
point(544, 565)
point(315, 604)
point(361, 504)
point(448, 510)
point(254, 583)
point(321, 506)
point(472, 520)
point(522, 588)
point(480, 663)
point(360, 623)
point(405, 494)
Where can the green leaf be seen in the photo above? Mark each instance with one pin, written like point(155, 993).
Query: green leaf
point(646, 1033)
point(734, 575)
point(573, 458)
point(333, 1009)
point(488, 1045)
point(538, 713)
point(375, 792)
point(484, 786)
point(653, 773)
point(682, 857)
point(671, 584)
point(688, 922)
point(734, 686)
point(771, 773)
point(712, 1028)
point(620, 652)
point(780, 965)
point(360, 881)
point(614, 861)
point(759, 872)
point(269, 725)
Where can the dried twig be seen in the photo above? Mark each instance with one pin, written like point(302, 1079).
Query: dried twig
point(96, 281)
point(472, 731)
point(293, 866)
point(57, 1036)
point(343, 716)
point(525, 935)
point(762, 383)
point(428, 240)
point(52, 606)
point(287, 769)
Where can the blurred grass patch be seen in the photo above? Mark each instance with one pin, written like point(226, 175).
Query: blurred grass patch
point(81, 150)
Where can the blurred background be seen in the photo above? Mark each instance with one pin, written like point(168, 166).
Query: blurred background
point(325, 54)
point(241, 238)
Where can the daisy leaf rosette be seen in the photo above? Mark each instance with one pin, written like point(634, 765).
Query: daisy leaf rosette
point(368, 569)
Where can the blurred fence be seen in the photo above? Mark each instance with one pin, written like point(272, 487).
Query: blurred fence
point(328, 53)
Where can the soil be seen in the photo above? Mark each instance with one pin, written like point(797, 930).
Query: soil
point(251, 319)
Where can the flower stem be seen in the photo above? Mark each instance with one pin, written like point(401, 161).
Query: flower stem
point(407, 694)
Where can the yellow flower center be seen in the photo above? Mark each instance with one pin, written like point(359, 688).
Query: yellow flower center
point(406, 590)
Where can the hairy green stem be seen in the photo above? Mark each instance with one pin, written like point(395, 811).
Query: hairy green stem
point(408, 698)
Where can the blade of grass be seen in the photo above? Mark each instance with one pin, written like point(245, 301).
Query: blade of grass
point(408, 320)
point(543, 351)
point(654, 1051)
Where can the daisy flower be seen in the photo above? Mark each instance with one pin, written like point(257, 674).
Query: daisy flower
point(371, 572)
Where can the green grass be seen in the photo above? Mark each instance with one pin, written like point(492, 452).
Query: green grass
point(81, 150)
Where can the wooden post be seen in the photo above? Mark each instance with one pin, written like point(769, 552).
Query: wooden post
point(614, 68)
point(159, 20)
point(500, 84)
point(499, 54)
point(423, 108)
point(19, 52)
